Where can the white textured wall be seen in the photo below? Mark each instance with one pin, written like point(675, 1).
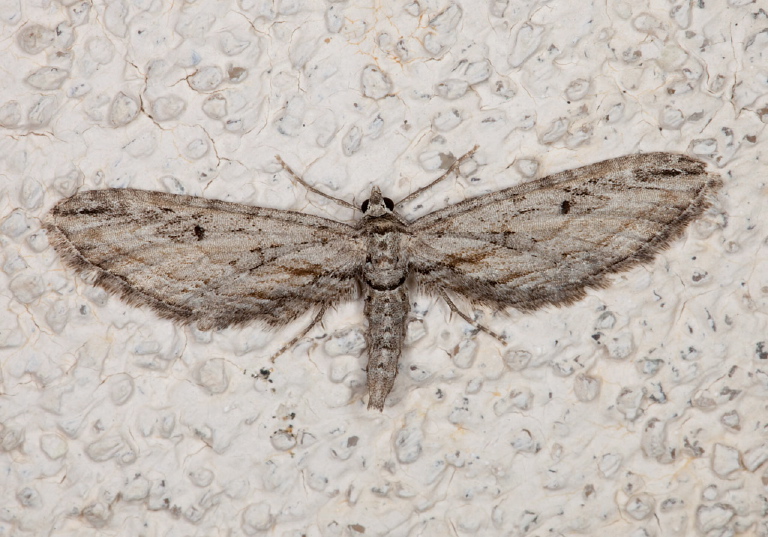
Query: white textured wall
point(640, 411)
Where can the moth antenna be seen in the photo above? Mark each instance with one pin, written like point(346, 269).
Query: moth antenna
point(312, 189)
point(453, 168)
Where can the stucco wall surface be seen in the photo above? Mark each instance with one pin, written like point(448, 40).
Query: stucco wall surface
point(640, 411)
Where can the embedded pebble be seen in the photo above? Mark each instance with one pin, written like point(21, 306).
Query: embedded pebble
point(114, 17)
point(351, 142)
point(415, 330)
point(452, 89)
point(474, 385)
point(27, 287)
point(649, 367)
point(412, 8)
point(197, 149)
point(105, 448)
point(100, 49)
point(10, 114)
point(725, 460)
point(78, 12)
point(136, 490)
point(215, 106)
point(402, 50)
point(168, 107)
point(654, 439)
point(236, 74)
point(431, 160)
point(621, 346)
point(436, 42)
point(709, 518)
point(524, 442)
point(121, 388)
point(527, 41)
point(704, 148)
point(732, 420)
point(408, 444)
point(527, 167)
point(53, 445)
point(375, 127)
point(57, 316)
point(755, 457)
point(201, 477)
point(606, 321)
point(97, 295)
point(68, 183)
point(283, 440)
point(418, 372)
point(123, 110)
point(34, 38)
point(628, 403)
point(586, 388)
point(212, 376)
point(48, 78)
point(14, 263)
point(609, 464)
point(517, 359)
point(334, 19)
point(231, 45)
point(464, 354)
point(206, 79)
point(651, 25)
point(376, 84)
point(15, 224)
point(345, 448)
point(29, 497)
point(31, 196)
point(96, 514)
point(516, 400)
point(257, 518)
point(615, 113)
point(671, 118)
point(173, 185)
point(477, 72)
point(556, 130)
point(11, 438)
point(63, 40)
point(640, 506)
point(577, 89)
point(504, 88)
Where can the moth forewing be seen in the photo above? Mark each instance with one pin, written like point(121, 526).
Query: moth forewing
point(540, 243)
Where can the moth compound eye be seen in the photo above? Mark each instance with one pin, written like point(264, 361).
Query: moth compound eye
point(364, 206)
point(389, 203)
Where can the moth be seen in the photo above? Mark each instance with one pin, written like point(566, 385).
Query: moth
point(540, 243)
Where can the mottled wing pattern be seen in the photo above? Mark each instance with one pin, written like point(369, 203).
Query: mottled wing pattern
point(546, 241)
point(211, 262)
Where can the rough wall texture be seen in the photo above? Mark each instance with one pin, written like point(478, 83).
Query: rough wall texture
point(639, 411)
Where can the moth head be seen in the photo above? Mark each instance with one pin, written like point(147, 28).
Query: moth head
point(377, 205)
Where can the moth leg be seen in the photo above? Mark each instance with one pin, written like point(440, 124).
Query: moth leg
point(474, 323)
point(300, 335)
point(453, 168)
point(312, 189)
